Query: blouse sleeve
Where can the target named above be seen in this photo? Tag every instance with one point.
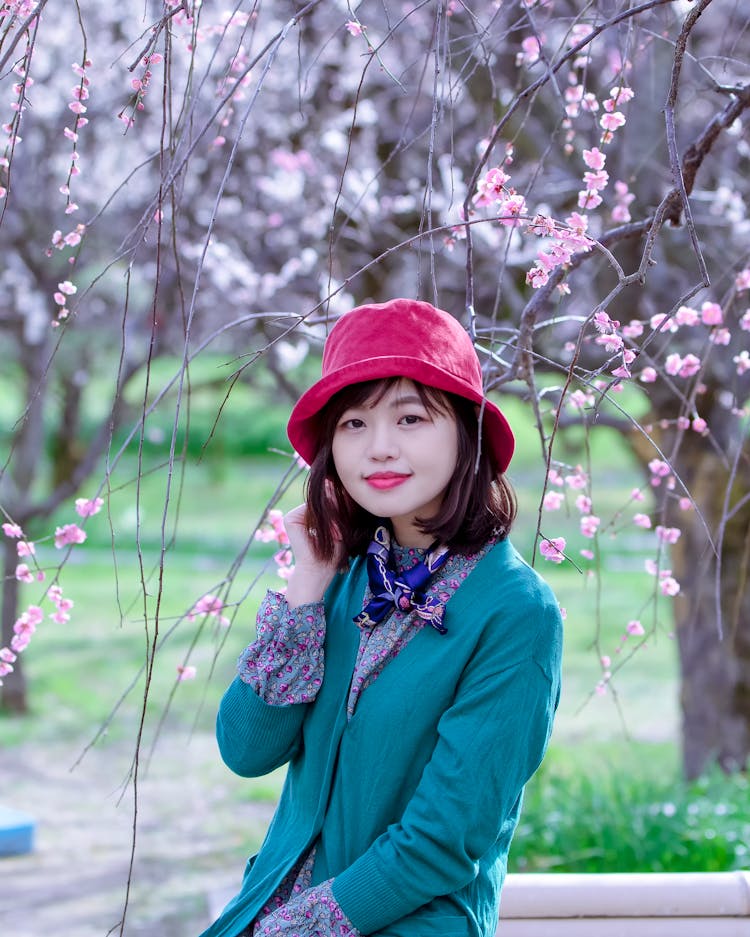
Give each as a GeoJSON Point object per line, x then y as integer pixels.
{"type": "Point", "coordinates": [497, 730]}
{"type": "Point", "coordinates": [284, 665]}
{"type": "Point", "coordinates": [309, 914]}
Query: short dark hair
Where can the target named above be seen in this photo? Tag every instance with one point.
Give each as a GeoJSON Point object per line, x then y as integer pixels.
{"type": "Point", "coordinates": [478, 500]}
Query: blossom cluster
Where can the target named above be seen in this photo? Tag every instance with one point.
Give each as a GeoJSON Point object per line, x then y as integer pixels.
{"type": "Point", "coordinates": [139, 88]}
{"type": "Point", "coordinates": [568, 485]}
{"type": "Point", "coordinates": [11, 128]}
{"type": "Point", "coordinates": [274, 532]}
{"type": "Point", "coordinates": [26, 624]}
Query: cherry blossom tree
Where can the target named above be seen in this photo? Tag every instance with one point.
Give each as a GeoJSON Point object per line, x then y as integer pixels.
{"type": "Point", "coordinates": [570, 180]}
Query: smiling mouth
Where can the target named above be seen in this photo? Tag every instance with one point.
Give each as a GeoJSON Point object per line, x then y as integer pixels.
{"type": "Point", "coordinates": [384, 480]}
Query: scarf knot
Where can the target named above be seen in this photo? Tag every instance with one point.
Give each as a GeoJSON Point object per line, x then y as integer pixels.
{"type": "Point", "coordinates": [403, 589]}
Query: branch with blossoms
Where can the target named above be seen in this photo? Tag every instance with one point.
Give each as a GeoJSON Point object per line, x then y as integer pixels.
{"type": "Point", "coordinates": [67, 535]}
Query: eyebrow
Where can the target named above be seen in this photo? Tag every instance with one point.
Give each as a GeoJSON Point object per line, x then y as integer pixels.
{"type": "Point", "coordinates": [409, 399]}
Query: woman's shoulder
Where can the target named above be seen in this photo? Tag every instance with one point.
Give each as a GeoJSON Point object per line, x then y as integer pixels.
{"type": "Point", "coordinates": [509, 573]}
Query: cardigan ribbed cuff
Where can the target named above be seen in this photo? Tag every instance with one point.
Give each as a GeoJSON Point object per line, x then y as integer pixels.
{"type": "Point", "coordinates": [367, 898]}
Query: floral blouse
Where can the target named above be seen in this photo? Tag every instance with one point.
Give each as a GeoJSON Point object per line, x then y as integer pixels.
{"type": "Point", "coordinates": [284, 665]}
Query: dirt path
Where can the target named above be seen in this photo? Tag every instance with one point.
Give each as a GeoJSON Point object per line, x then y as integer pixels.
{"type": "Point", "coordinates": [194, 831]}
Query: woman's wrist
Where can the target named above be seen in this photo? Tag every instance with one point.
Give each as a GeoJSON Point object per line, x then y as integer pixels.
{"type": "Point", "coordinates": [307, 585]}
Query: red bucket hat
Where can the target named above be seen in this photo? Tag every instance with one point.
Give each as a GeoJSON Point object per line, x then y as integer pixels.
{"type": "Point", "coordinates": [400, 338]}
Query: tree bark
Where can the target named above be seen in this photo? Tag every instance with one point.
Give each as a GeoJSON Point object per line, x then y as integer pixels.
{"type": "Point", "coordinates": [714, 648]}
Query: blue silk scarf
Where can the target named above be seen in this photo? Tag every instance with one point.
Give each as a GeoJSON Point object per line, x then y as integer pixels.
{"type": "Point", "coordinates": [402, 589]}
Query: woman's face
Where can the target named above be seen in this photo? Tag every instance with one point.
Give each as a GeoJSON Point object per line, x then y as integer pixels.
{"type": "Point", "coordinates": [395, 458]}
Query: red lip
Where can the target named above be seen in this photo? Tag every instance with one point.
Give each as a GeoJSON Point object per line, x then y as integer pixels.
{"type": "Point", "coordinates": [384, 480]}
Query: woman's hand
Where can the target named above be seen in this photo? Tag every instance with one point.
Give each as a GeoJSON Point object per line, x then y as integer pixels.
{"type": "Point", "coordinates": [311, 576]}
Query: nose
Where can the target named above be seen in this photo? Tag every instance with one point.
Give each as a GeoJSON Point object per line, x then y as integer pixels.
{"type": "Point", "coordinates": [382, 444]}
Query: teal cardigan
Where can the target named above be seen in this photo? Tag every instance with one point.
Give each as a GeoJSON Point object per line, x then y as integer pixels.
{"type": "Point", "coordinates": [414, 800]}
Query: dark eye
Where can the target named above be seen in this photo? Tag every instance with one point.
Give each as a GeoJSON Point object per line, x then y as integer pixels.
{"type": "Point", "coordinates": [353, 423]}
{"type": "Point", "coordinates": [411, 418]}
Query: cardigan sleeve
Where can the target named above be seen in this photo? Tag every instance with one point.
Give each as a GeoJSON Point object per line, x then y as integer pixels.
{"type": "Point", "coordinates": [260, 715]}
{"type": "Point", "coordinates": [490, 741]}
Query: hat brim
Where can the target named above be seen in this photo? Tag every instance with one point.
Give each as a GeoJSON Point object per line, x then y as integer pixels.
{"type": "Point", "coordinates": [303, 428]}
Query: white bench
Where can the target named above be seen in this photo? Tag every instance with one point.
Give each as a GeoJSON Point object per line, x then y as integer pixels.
{"type": "Point", "coordinates": [694, 904]}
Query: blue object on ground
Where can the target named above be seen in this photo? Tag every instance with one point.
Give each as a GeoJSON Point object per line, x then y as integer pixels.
{"type": "Point", "coordinates": [16, 832]}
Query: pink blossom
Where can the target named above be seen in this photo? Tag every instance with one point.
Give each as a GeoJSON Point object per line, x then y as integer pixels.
{"type": "Point", "coordinates": [577, 223]}
{"type": "Point", "coordinates": [578, 479]}
{"type": "Point", "coordinates": [691, 364]}
{"type": "Point", "coordinates": [685, 504]}
{"type": "Point", "coordinates": [537, 277]}
{"type": "Point", "coordinates": [673, 364]}
{"type": "Point", "coordinates": [648, 375]}
{"type": "Point", "coordinates": [553, 500]}
{"type": "Point", "coordinates": [67, 287]}
{"type": "Point", "coordinates": [20, 642]}
{"type": "Point", "coordinates": [602, 321]}
{"type": "Point", "coordinates": [23, 573]}
{"type": "Point", "coordinates": [589, 103]}
{"type": "Point", "coordinates": [596, 181]}
{"type": "Point", "coordinates": [583, 503]}
{"type": "Point", "coordinates": [662, 322]}
{"type": "Point", "coordinates": [552, 550]}
{"type": "Point", "coordinates": [742, 280]}
{"type": "Point", "coordinates": [25, 548]}
{"type": "Point", "coordinates": [635, 627]}
{"type": "Point", "coordinates": [555, 478]}
{"type": "Point", "coordinates": [87, 507]}
{"type": "Point", "coordinates": [354, 28]}
{"type": "Point", "coordinates": [60, 617]}
{"type": "Point", "coordinates": [686, 315]}
{"type": "Point", "coordinates": [711, 314]}
{"type": "Point", "coordinates": [587, 554]}
{"type": "Point", "coordinates": [581, 399]}
{"type": "Point", "coordinates": [745, 321]}
{"type": "Point", "coordinates": [12, 530]}
{"type": "Point", "coordinates": [206, 605]}
{"type": "Point", "coordinates": [636, 495]}
{"type": "Point", "coordinates": [7, 655]}
{"type": "Point", "coordinates": [612, 121]}
{"type": "Point", "coordinates": [642, 520]}
{"type": "Point", "coordinates": [622, 94]}
{"type": "Point", "coordinates": [68, 534]}
{"type": "Point", "coordinates": [589, 199]}
{"type": "Point", "coordinates": [669, 586]}
{"type": "Point", "coordinates": [659, 468]}
{"type": "Point", "coordinates": [186, 672]}
{"type": "Point", "coordinates": [77, 107]}
{"type": "Point", "coordinates": [620, 213]}
{"type": "Point", "coordinates": [594, 158]}
{"type": "Point", "coordinates": [531, 51]}
{"type": "Point", "coordinates": [668, 534]}
{"type": "Point", "coordinates": [513, 206]}
{"type": "Point", "coordinates": [606, 661]}
{"type": "Point", "coordinates": [720, 337]}
{"type": "Point", "coordinates": [589, 525]}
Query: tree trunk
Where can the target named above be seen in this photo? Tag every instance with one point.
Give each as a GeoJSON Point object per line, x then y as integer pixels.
{"type": "Point", "coordinates": [13, 691]}
{"type": "Point", "coordinates": [714, 649]}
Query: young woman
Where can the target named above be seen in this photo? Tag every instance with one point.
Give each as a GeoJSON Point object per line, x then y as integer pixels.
{"type": "Point", "coordinates": [410, 675]}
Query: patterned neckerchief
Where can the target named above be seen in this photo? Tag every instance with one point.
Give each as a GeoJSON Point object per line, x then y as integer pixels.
{"type": "Point", "coordinates": [403, 589]}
